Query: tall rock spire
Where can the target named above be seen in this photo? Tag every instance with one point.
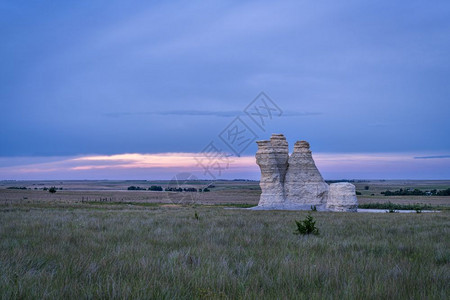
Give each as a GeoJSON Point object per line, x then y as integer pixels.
{"type": "Point", "coordinates": [272, 157]}
{"type": "Point", "coordinates": [304, 184]}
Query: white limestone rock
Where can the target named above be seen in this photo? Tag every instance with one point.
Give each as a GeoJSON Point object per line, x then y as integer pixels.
{"type": "Point", "coordinates": [295, 183]}
{"type": "Point", "coordinates": [342, 197]}
{"type": "Point", "coordinates": [272, 157]}
{"type": "Point", "coordinates": [304, 185]}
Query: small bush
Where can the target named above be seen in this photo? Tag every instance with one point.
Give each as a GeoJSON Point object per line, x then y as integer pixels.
{"type": "Point", "coordinates": [52, 190]}
{"type": "Point", "coordinates": [307, 226]}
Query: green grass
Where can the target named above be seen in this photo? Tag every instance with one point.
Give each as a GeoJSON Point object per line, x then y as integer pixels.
{"type": "Point", "coordinates": [150, 204]}
{"type": "Point", "coordinates": [238, 205]}
{"type": "Point", "coordinates": [162, 252]}
{"type": "Point", "coordinates": [395, 206]}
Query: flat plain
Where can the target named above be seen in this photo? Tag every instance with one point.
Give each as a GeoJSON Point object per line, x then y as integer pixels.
{"type": "Point", "coordinates": [96, 239]}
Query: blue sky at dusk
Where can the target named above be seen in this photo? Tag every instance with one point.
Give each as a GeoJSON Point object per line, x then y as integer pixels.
{"type": "Point", "coordinates": [124, 90]}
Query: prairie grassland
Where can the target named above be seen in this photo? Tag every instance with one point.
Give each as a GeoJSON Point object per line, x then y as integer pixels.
{"type": "Point", "coordinates": [75, 251]}
{"type": "Point", "coordinates": [221, 196]}
{"type": "Point", "coordinates": [224, 192]}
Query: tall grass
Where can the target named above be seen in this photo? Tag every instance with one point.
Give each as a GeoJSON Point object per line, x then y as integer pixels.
{"type": "Point", "coordinates": [159, 253]}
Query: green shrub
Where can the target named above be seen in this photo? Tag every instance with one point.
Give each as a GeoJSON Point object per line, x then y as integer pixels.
{"type": "Point", "coordinates": [307, 226]}
{"type": "Point", "coordinates": [52, 190]}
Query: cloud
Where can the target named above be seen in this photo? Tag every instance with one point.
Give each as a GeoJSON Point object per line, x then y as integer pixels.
{"type": "Point", "coordinates": [197, 113]}
{"type": "Point", "coordinates": [194, 113]}
{"type": "Point", "coordinates": [152, 76]}
{"type": "Point", "coordinates": [432, 157]}
{"type": "Point", "coordinates": [127, 166]}
{"type": "Point", "coordinates": [167, 165]}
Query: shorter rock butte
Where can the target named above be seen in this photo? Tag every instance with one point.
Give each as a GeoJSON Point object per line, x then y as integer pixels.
{"type": "Point", "coordinates": [342, 197]}
{"type": "Point", "coordinates": [294, 182]}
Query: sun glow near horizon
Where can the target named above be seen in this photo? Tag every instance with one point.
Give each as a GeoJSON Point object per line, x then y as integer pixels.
{"type": "Point", "coordinates": [166, 165]}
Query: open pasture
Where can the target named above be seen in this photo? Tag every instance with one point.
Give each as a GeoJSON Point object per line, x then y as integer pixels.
{"type": "Point", "coordinates": [142, 245]}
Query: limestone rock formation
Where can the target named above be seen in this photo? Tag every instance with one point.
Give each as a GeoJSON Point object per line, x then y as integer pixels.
{"type": "Point", "coordinates": [342, 197]}
{"type": "Point", "coordinates": [294, 182]}
{"type": "Point", "coordinates": [304, 184]}
{"type": "Point", "coordinates": [272, 157]}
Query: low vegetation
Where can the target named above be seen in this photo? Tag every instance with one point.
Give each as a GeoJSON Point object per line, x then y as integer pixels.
{"type": "Point", "coordinates": [417, 192]}
{"type": "Point", "coordinates": [96, 240]}
{"type": "Point", "coordinates": [307, 226]}
{"type": "Point", "coordinates": [159, 188]}
{"type": "Point", "coordinates": [136, 188]}
{"type": "Point", "coordinates": [393, 206]}
{"type": "Point", "coordinates": [69, 251]}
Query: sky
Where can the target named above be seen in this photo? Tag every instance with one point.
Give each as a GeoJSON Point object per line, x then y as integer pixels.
{"type": "Point", "coordinates": [138, 90]}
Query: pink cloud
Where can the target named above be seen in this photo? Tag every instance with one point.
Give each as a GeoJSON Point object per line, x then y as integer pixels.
{"type": "Point", "coordinates": [166, 165]}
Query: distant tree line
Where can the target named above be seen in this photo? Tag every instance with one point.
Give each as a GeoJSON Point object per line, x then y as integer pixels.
{"type": "Point", "coordinates": [171, 189]}
{"type": "Point", "coordinates": [347, 180]}
{"type": "Point", "coordinates": [417, 192]}
{"type": "Point", "coordinates": [167, 189]}
{"type": "Point", "coordinates": [155, 188]}
{"type": "Point", "coordinates": [52, 189]}
{"type": "Point", "coordinates": [136, 188]}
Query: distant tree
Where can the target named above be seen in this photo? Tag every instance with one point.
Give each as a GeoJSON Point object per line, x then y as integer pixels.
{"type": "Point", "coordinates": [444, 192]}
{"type": "Point", "coordinates": [135, 188]}
{"type": "Point", "coordinates": [52, 190]}
{"type": "Point", "coordinates": [155, 188]}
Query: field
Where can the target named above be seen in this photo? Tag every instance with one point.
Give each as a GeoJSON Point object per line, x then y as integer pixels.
{"type": "Point", "coordinates": [98, 240]}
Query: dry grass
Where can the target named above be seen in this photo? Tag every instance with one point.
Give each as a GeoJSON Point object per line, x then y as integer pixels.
{"type": "Point", "coordinates": [57, 246]}
{"type": "Point", "coordinates": [161, 252]}
{"type": "Point", "coordinates": [236, 192]}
